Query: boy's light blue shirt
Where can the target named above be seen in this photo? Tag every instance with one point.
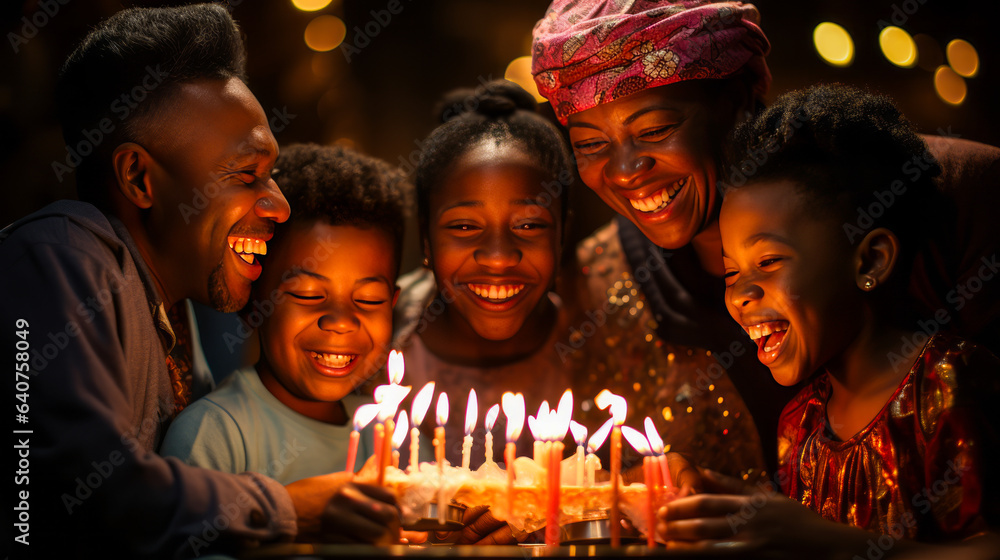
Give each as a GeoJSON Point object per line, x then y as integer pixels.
{"type": "Point", "coordinates": [242, 427]}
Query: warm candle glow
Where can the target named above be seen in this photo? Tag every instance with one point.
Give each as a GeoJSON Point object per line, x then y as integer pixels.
{"type": "Point", "coordinates": [579, 432]}
{"type": "Point", "coordinates": [442, 409]}
{"type": "Point", "coordinates": [563, 416]}
{"type": "Point", "coordinates": [617, 404]}
{"type": "Point", "coordinates": [395, 367]}
{"type": "Point", "coordinates": [491, 417]}
{"type": "Point", "coordinates": [513, 409]}
{"type": "Point", "coordinates": [597, 440]}
{"type": "Point", "coordinates": [364, 415]}
{"type": "Point", "coordinates": [389, 397]}
{"type": "Point", "coordinates": [421, 403]}
{"type": "Point", "coordinates": [399, 434]}
{"type": "Point", "coordinates": [535, 428]}
{"type": "Point", "coordinates": [636, 439]}
{"type": "Point", "coordinates": [655, 441]}
{"type": "Point", "coordinates": [471, 413]}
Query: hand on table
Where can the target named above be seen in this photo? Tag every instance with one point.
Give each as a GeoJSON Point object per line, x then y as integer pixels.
{"type": "Point", "coordinates": [332, 508]}
{"type": "Point", "coordinates": [751, 516]}
{"type": "Point", "coordinates": [482, 528]}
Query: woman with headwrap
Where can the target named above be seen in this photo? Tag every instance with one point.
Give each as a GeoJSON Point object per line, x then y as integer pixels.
{"type": "Point", "coordinates": [649, 92]}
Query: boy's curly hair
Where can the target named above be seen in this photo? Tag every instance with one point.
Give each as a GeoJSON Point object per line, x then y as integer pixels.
{"type": "Point", "coordinates": [340, 186]}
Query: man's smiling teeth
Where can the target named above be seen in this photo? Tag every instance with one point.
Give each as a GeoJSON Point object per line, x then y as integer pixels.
{"type": "Point", "coordinates": [761, 330]}
{"type": "Point", "coordinates": [247, 247]}
{"type": "Point", "coordinates": [660, 199]}
{"type": "Point", "coordinates": [333, 360]}
{"type": "Point", "coordinates": [496, 292]}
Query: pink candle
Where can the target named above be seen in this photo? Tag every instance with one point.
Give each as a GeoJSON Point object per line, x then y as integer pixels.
{"type": "Point", "coordinates": [352, 450]}
{"type": "Point", "coordinates": [649, 476]}
{"type": "Point", "coordinates": [657, 448]}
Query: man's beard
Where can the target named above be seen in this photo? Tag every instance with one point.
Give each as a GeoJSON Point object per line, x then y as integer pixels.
{"type": "Point", "coordinates": [219, 295]}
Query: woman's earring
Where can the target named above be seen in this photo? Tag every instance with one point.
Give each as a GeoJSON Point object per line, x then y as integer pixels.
{"type": "Point", "coordinates": [427, 262]}
{"type": "Point", "coordinates": [869, 284]}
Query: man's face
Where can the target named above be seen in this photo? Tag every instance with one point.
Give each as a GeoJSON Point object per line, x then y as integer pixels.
{"type": "Point", "coordinates": [214, 202]}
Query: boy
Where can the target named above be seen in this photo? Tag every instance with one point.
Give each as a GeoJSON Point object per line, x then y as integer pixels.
{"type": "Point", "coordinates": [329, 289]}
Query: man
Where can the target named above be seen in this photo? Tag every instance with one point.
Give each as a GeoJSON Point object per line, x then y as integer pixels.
{"type": "Point", "coordinates": [173, 159]}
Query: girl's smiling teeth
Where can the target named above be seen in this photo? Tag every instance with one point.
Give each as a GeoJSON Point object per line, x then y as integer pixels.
{"type": "Point", "coordinates": [247, 247]}
{"type": "Point", "coordinates": [496, 293]}
{"type": "Point", "coordinates": [660, 199]}
{"type": "Point", "coordinates": [336, 361]}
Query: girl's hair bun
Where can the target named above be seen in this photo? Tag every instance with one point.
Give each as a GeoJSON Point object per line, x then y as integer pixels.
{"type": "Point", "coordinates": [492, 100]}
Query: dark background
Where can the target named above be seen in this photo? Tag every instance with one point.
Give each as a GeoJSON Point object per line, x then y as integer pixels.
{"type": "Point", "coordinates": [381, 101]}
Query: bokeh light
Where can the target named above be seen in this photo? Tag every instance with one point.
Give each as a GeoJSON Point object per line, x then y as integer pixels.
{"type": "Point", "coordinates": [929, 55]}
{"type": "Point", "coordinates": [949, 85]}
{"type": "Point", "coordinates": [963, 58]}
{"type": "Point", "coordinates": [898, 47]}
{"type": "Point", "coordinates": [834, 44]}
{"type": "Point", "coordinates": [519, 72]}
{"type": "Point", "coordinates": [325, 33]}
{"type": "Point", "coordinates": [310, 5]}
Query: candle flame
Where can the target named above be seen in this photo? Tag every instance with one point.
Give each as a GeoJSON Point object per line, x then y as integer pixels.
{"type": "Point", "coordinates": [637, 440]}
{"type": "Point", "coordinates": [388, 397]}
{"type": "Point", "coordinates": [597, 440]}
{"type": "Point", "coordinates": [421, 403]}
{"type": "Point", "coordinates": [491, 417]}
{"type": "Point", "coordinates": [563, 416]}
{"type": "Point", "coordinates": [618, 405]}
{"type": "Point", "coordinates": [442, 409]}
{"type": "Point", "coordinates": [395, 367]}
{"type": "Point", "coordinates": [513, 409]}
{"type": "Point", "coordinates": [655, 441]}
{"type": "Point", "coordinates": [364, 415]}
{"type": "Point", "coordinates": [535, 428]}
{"type": "Point", "coordinates": [579, 432]}
{"type": "Point", "coordinates": [471, 412]}
{"type": "Point", "coordinates": [401, 430]}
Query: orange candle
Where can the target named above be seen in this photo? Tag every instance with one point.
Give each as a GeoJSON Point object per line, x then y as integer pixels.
{"type": "Point", "coordinates": [616, 469]}
{"type": "Point", "coordinates": [552, 525]}
{"type": "Point", "coordinates": [385, 454]}
{"type": "Point", "coordinates": [378, 444]}
{"type": "Point", "coordinates": [649, 477]}
{"type": "Point", "coordinates": [439, 457]}
{"type": "Point", "coordinates": [352, 450]}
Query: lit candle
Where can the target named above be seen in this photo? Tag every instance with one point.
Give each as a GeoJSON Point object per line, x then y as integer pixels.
{"type": "Point", "coordinates": [388, 397]}
{"type": "Point", "coordinates": [420, 405]}
{"type": "Point", "coordinates": [641, 444]}
{"type": "Point", "coordinates": [491, 418]}
{"type": "Point", "coordinates": [398, 435]}
{"type": "Point", "coordinates": [656, 445]}
{"type": "Point", "coordinates": [442, 419]}
{"type": "Point", "coordinates": [595, 443]}
{"type": "Point", "coordinates": [618, 408]}
{"type": "Point", "coordinates": [471, 415]}
{"type": "Point", "coordinates": [513, 409]}
{"type": "Point", "coordinates": [580, 436]}
{"type": "Point", "coordinates": [362, 417]}
{"type": "Point", "coordinates": [558, 425]}
{"type": "Point", "coordinates": [535, 426]}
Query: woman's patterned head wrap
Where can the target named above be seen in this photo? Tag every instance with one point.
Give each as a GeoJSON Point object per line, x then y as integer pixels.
{"type": "Point", "coordinates": [588, 52]}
